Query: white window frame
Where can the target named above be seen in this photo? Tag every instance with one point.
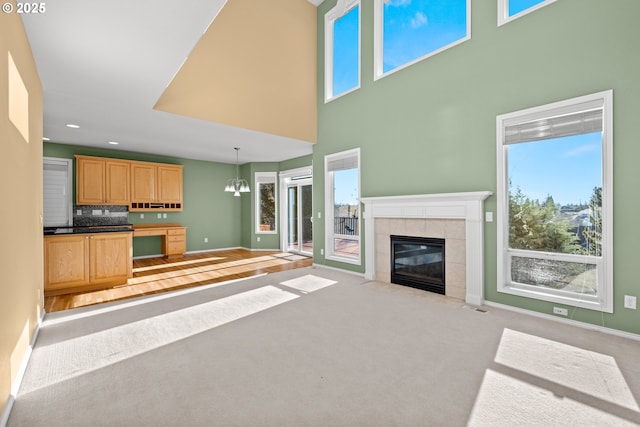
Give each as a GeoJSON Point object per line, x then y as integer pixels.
{"type": "Point", "coordinates": [67, 190]}
{"type": "Point", "coordinates": [329, 205]}
{"type": "Point", "coordinates": [378, 42]}
{"type": "Point", "coordinates": [604, 263]}
{"type": "Point", "coordinates": [503, 11]}
{"type": "Point", "coordinates": [342, 8]}
{"type": "Point", "coordinates": [266, 178]}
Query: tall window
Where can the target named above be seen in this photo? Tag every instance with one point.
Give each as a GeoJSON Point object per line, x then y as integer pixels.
{"type": "Point", "coordinates": [342, 206]}
{"type": "Point", "coordinates": [508, 10]}
{"type": "Point", "coordinates": [555, 194]}
{"type": "Point", "coordinates": [407, 31]}
{"type": "Point", "coordinates": [265, 202]}
{"type": "Point", "coordinates": [342, 48]}
{"type": "Point", "coordinates": [57, 189]}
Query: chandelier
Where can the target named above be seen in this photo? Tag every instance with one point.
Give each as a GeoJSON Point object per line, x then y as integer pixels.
{"type": "Point", "coordinates": [237, 185]}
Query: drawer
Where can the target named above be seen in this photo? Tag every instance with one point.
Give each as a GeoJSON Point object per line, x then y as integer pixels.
{"type": "Point", "coordinates": [142, 233]}
{"type": "Point", "coordinates": [176, 247]}
{"type": "Point", "coordinates": [172, 239]}
{"type": "Point", "coordinates": [176, 232]}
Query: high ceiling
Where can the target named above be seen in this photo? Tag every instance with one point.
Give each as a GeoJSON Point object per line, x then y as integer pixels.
{"type": "Point", "coordinates": [110, 67]}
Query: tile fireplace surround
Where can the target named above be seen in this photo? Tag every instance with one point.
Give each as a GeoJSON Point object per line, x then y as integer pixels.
{"type": "Point", "coordinates": [456, 217]}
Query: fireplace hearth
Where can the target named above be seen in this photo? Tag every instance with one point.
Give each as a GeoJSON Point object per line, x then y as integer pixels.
{"type": "Point", "coordinates": [418, 262]}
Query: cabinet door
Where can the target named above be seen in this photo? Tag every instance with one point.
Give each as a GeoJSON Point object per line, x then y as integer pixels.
{"type": "Point", "coordinates": [143, 182]}
{"type": "Point", "coordinates": [66, 262]}
{"type": "Point", "coordinates": [110, 257]}
{"type": "Point", "coordinates": [90, 177]}
{"type": "Point", "coordinates": [117, 182]}
{"type": "Point", "coordinates": [170, 184]}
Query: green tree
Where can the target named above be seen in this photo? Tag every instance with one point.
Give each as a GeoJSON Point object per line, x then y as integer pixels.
{"type": "Point", "coordinates": [539, 226]}
{"type": "Point", "coordinates": [592, 234]}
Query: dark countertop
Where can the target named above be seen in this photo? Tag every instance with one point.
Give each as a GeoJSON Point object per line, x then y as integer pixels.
{"type": "Point", "coordinates": [56, 231]}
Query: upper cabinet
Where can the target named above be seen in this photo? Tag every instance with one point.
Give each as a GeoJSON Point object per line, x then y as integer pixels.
{"type": "Point", "coordinates": [102, 181]}
{"type": "Point", "coordinates": [144, 186]}
{"type": "Point", "coordinates": [155, 186]}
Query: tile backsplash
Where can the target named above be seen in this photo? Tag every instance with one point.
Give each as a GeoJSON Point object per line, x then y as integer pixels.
{"type": "Point", "coordinates": [87, 215]}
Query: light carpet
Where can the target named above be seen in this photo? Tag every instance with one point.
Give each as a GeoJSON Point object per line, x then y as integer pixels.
{"type": "Point", "coordinates": [318, 347]}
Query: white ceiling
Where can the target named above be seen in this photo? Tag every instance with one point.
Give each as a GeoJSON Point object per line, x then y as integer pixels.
{"type": "Point", "coordinates": [104, 64]}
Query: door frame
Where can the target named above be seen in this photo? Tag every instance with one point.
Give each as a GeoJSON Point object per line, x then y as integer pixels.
{"type": "Point", "coordinates": [292, 177]}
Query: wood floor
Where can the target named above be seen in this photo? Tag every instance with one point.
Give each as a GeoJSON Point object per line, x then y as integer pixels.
{"type": "Point", "coordinates": [155, 275]}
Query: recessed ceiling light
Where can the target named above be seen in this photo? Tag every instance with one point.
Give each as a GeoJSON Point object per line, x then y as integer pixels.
{"type": "Point", "coordinates": [114, 142]}
{"type": "Point", "coordinates": [44, 138]}
{"type": "Point", "coordinates": [72, 126]}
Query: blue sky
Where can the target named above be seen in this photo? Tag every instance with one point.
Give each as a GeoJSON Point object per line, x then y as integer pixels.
{"type": "Point", "coordinates": [517, 6]}
{"type": "Point", "coordinates": [566, 168]}
{"type": "Point", "coordinates": [346, 186]}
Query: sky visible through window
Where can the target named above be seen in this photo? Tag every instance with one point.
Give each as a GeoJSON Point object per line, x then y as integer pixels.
{"type": "Point", "coordinates": [415, 28]}
{"type": "Point", "coordinates": [517, 6]}
{"type": "Point", "coordinates": [567, 168]}
{"type": "Point", "coordinates": [346, 52]}
{"type": "Point", "coordinates": [346, 187]}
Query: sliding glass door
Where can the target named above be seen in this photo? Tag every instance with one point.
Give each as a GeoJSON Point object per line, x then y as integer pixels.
{"type": "Point", "coordinates": [299, 217]}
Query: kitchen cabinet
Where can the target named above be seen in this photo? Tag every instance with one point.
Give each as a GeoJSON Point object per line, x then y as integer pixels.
{"type": "Point", "coordinates": [101, 181]}
{"type": "Point", "coordinates": [156, 186]}
{"type": "Point", "coordinates": [83, 262]}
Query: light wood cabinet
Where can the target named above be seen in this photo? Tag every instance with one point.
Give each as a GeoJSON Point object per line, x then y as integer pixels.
{"type": "Point", "coordinates": [175, 242]}
{"type": "Point", "coordinates": [155, 186]}
{"type": "Point", "coordinates": [101, 181]}
{"type": "Point", "coordinates": [86, 261]}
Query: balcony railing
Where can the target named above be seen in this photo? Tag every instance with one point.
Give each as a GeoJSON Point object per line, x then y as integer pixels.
{"type": "Point", "coordinates": [347, 226]}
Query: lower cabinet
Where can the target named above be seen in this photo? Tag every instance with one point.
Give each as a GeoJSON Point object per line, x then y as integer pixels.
{"type": "Point", "coordinates": [175, 243]}
{"type": "Point", "coordinates": [86, 261]}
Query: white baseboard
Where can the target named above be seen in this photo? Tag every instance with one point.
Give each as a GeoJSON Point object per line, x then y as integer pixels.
{"type": "Point", "coordinates": [572, 322]}
{"type": "Point", "coordinates": [15, 386]}
{"type": "Point", "coordinates": [355, 273]}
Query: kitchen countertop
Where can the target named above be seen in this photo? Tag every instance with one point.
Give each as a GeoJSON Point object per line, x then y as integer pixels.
{"type": "Point", "coordinates": [57, 231]}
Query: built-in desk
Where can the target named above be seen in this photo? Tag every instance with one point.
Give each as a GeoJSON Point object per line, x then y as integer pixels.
{"type": "Point", "coordinates": [172, 235]}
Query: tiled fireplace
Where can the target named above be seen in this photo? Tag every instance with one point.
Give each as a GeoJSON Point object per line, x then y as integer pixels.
{"type": "Point", "coordinates": [455, 217]}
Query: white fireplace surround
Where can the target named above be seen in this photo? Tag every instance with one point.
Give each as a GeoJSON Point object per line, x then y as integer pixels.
{"type": "Point", "coordinates": [467, 206]}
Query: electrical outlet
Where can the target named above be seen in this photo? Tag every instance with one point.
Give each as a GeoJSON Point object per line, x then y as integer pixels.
{"type": "Point", "coordinates": [206, 240]}
{"type": "Point", "coordinates": [79, 212]}
{"type": "Point", "coordinates": [159, 215]}
{"type": "Point", "coordinates": [630, 302]}
{"type": "Point", "coordinates": [488, 216]}
{"type": "Point", "coordinates": [321, 251]}
{"type": "Point", "coordinates": [258, 239]}
{"type": "Point", "coordinates": [560, 311]}
{"type": "Point", "coordinates": [164, 215]}
{"type": "Point", "coordinates": [141, 216]}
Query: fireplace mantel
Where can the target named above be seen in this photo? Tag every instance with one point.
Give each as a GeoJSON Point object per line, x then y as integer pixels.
{"type": "Point", "coordinates": [468, 206]}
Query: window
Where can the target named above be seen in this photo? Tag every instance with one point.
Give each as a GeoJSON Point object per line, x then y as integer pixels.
{"type": "Point", "coordinates": [266, 202]}
{"type": "Point", "coordinates": [342, 206]}
{"type": "Point", "coordinates": [555, 222]}
{"type": "Point", "coordinates": [342, 49]}
{"type": "Point", "coordinates": [57, 190]}
{"type": "Point", "coordinates": [508, 10]}
{"type": "Point", "coordinates": [408, 31]}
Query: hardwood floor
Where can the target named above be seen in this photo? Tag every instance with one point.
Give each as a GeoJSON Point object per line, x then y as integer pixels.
{"type": "Point", "coordinates": [155, 275]}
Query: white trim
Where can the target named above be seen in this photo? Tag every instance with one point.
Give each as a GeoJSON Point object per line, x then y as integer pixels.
{"type": "Point", "coordinates": [378, 42]}
{"type": "Point", "coordinates": [287, 179]}
{"type": "Point", "coordinates": [583, 325]}
{"type": "Point", "coordinates": [503, 11]}
{"type": "Point", "coordinates": [341, 270]}
{"type": "Point", "coordinates": [265, 178]}
{"type": "Point", "coordinates": [328, 208]}
{"type": "Point", "coordinates": [605, 264]}
{"type": "Point", "coordinates": [468, 206]}
{"type": "Point", "coordinates": [17, 381]}
{"type": "Point", "coordinates": [329, 20]}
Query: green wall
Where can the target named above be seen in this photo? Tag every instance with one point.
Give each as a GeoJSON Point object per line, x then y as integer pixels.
{"type": "Point", "coordinates": [208, 210]}
{"type": "Point", "coordinates": [430, 128]}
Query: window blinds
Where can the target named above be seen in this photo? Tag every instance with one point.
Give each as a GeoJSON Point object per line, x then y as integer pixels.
{"type": "Point", "coordinates": [342, 163]}
{"type": "Point", "coordinates": [564, 124]}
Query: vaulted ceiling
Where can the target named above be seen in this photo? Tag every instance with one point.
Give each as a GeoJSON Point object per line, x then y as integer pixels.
{"type": "Point", "coordinates": [187, 79]}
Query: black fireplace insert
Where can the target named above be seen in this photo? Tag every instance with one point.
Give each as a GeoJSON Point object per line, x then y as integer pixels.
{"type": "Point", "coordinates": [418, 262]}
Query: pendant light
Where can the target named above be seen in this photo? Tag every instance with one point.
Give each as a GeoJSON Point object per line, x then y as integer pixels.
{"type": "Point", "coordinates": [237, 185]}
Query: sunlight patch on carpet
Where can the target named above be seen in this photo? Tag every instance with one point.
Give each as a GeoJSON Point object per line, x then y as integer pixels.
{"type": "Point", "coordinates": [70, 358]}
{"type": "Point", "coordinates": [308, 283]}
